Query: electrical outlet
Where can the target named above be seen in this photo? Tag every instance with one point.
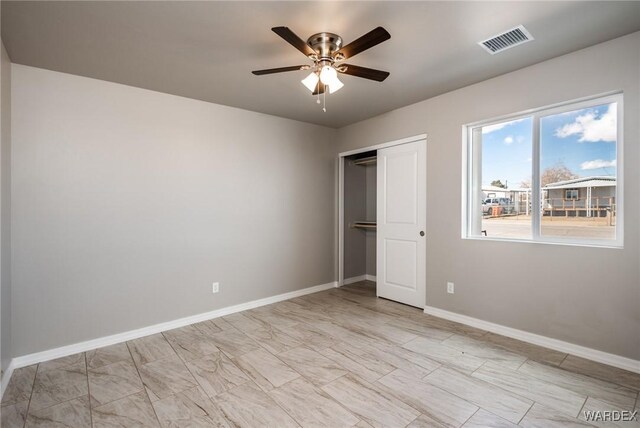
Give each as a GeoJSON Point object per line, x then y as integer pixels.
{"type": "Point", "coordinates": [450, 287]}
{"type": "Point", "coordinates": [215, 287]}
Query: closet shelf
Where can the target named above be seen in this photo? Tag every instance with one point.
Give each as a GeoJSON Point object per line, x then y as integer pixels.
{"type": "Point", "coordinates": [366, 161]}
{"type": "Point", "coordinates": [370, 225]}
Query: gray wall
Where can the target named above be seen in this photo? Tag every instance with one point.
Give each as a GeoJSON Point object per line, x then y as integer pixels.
{"type": "Point", "coordinates": [129, 203]}
{"type": "Point", "coordinates": [587, 296]}
{"type": "Point", "coordinates": [359, 204]}
{"type": "Point", "coordinates": [5, 209]}
{"type": "Point", "coordinates": [372, 194]}
{"type": "Point", "coordinates": [355, 209]}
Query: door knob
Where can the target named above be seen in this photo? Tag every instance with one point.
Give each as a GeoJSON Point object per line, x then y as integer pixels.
{"type": "Point", "coordinates": [422, 233]}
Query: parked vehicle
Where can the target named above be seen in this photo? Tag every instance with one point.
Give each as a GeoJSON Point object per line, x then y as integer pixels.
{"type": "Point", "coordinates": [505, 203]}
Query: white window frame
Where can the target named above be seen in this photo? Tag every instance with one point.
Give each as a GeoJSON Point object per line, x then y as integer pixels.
{"type": "Point", "coordinates": [577, 193]}
{"type": "Point", "coordinates": [536, 114]}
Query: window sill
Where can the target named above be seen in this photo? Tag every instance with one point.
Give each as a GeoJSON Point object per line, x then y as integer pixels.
{"type": "Point", "coordinates": [573, 243]}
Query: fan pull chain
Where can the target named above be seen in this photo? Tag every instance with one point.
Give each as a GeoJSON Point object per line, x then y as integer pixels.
{"type": "Point", "coordinates": [324, 100]}
{"type": "Point", "coordinates": [318, 92]}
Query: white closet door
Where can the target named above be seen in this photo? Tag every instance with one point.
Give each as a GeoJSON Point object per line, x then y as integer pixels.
{"type": "Point", "coordinates": [401, 220]}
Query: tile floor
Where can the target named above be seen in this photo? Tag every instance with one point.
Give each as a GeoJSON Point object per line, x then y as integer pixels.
{"type": "Point", "coordinates": [337, 358]}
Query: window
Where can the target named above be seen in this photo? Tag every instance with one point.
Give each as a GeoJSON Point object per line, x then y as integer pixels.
{"type": "Point", "coordinates": [551, 175]}
{"type": "Point", "coordinates": [572, 194]}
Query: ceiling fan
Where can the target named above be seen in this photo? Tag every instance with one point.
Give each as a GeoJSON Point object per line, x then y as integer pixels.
{"type": "Point", "coordinates": [326, 52]}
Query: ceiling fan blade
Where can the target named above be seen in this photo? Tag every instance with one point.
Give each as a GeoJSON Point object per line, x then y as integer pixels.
{"type": "Point", "coordinates": [364, 72]}
{"type": "Point", "coordinates": [320, 88]}
{"type": "Point", "coordinates": [369, 40]}
{"type": "Point", "coordinates": [294, 40]}
{"type": "Point", "coordinates": [279, 70]}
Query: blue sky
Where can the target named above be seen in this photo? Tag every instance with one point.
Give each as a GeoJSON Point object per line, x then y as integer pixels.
{"type": "Point", "coordinates": [583, 140]}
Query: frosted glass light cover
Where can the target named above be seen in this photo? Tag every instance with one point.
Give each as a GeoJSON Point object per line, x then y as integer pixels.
{"type": "Point", "coordinates": [311, 81]}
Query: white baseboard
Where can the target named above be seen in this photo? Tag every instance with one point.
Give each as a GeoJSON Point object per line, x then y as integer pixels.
{"type": "Point", "coordinates": [536, 339]}
{"type": "Point", "coordinates": [354, 279]}
{"type": "Point", "coordinates": [358, 278]}
{"type": "Point", "coordinates": [63, 351]}
{"type": "Point", "coordinates": [6, 376]}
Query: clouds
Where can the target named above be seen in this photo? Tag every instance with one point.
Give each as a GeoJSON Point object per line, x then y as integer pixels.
{"type": "Point", "coordinates": [590, 128]}
{"type": "Point", "coordinates": [597, 163]}
{"type": "Point", "coordinates": [508, 140]}
{"type": "Point", "coordinates": [496, 127]}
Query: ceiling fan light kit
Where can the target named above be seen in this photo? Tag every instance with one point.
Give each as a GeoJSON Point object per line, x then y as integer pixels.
{"type": "Point", "coordinates": [326, 51]}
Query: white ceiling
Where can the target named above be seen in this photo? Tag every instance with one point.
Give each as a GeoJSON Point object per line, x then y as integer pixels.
{"type": "Point", "coordinates": [206, 50]}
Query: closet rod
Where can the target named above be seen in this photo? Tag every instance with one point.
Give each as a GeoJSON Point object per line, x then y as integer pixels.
{"type": "Point", "coordinates": [366, 161]}
{"type": "Point", "coordinates": [363, 225]}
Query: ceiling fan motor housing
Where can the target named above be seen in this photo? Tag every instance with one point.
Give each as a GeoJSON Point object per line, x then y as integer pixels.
{"type": "Point", "coordinates": [325, 44]}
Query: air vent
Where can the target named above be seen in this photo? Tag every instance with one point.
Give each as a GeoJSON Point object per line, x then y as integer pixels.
{"type": "Point", "coordinates": [506, 40]}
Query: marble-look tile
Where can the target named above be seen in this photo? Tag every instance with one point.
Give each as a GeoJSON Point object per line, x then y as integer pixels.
{"type": "Point", "coordinates": [273, 340]}
{"type": "Point", "coordinates": [213, 326]}
{"type": "Point", "coordinates": [453, 326]}
{"type": "Point", "coordinates": [302, 312]}
{"type": "Point", "coordinates": [369, 403]}
{"type": "Point", "coordinates": [530, 387]}
{"type": "Point", "coordinates": [20, 385]}
{"type": "Point", "coordinates": [216, 373]}
{"type": "Point", "coordinates": [614, 394]}
{"type": "Point", "coordinates": [311, 336]}
{"type": "Point", "coordinates": [108, 355]}
{"type": "Point", "coordinates": [484, 419]}
{"type": "Point", "coordinates": [366, 366]}
{"type": "Point", "coordinates": [437, 405]}
{"type": "Point", "coordinates": [541, 416]}
{"type": "Point", "coordinates": [234, 343]}
{"type": "Point", "coordinates": [275, 315]}
{"type": "Point", "coordinates": [436, 351]}
{"type": "Point", "coordinates": [248, 406]}
{"type": "Point", "coordinates": [71, 360]}
{"type": "Point", "coordinates": [14, 415]}
{"type": "Point", "coordinates": [498, 401]}
{"type": "Point", "coordinates": [485, 350]}
{"type": "Point", "coordinates": [424, 421]}
{"type": "Point", "coordinates": [242, 322]}
{"type": "Point", "coordinates": [190, 343]}
{"type": "Point", "coordinates": [310, 406]}
{"type": "Point", "coordinates": [150, 348]}
{"type": "Point", "coordinates": [602, 371]}
{"type": "Point", "coordinates": [380, 332]}
{"type": "Point", "coordinates": [593, 405]}
{"type": "Point", "coordinates": [164, 377]}
{"type": "Point", "coordinates": [533, 352]}
{"type": "Point", "coordinates": [312, 365]}
{"type": "Point", "coordinates": [190, 408]}
{"type": "Point", "coordinates": [320, 336]}
{"type": "Point", "coordinates": [70, 414]}
{"type": "Point", "coordinates": [358, 314]}
{"type": "Point", "coordinates": [395, 310]}
{"type": "Point", "coordinates": [54, 386]}
{"type": "Point", "coordinates": [265, 369]}
{"type": "Point", "coordinates": [132, 411]}
{"type": "Point", "coordinates": [112, 382]}
{"type": "Point", "coordinates": [343, 334]}
{"type": "Point", "coordinates": [409, 361]}
{"type": "Point", "coordinates": [420, 329]}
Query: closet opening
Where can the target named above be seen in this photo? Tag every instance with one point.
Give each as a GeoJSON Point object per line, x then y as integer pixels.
{"type": "Point", "coordinates": [360, 176]}
{"type": "Point", "coordinates": [382, 206]}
